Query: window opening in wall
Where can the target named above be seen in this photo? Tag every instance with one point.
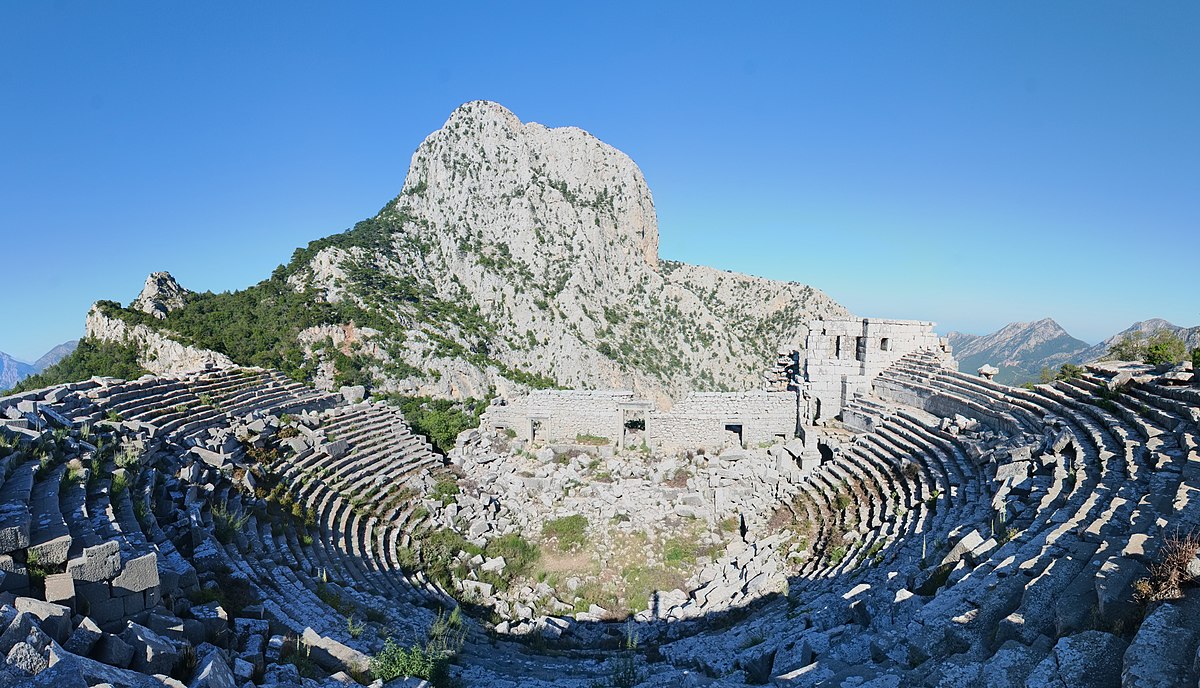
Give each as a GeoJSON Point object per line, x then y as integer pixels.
{"type": "Point", "coordinates": [860, 348]}
{"type": "Point", "coordinates": [885, 344]}
{"type": "Point", "coordinates": [634, 431]}
{"type": "Point", "coordinates": [837, 347]}
{"type": "Point", "coordinates": [534, 427]}
{"type": "Point", "coordinates": [734, 433]}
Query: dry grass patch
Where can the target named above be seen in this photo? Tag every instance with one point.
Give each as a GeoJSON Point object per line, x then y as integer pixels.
{"type": "Point", "coordinates": [1170, 573]}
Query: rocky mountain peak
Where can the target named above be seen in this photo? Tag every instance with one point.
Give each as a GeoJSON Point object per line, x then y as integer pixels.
{"type": "Point", "coordinates": [516, 255]}
{"type": "Point", "coordinates": [485, 176]}
{"type": "Point", "coordinates": [161, 295]}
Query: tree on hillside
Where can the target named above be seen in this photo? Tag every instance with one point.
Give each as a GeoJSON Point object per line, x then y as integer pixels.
{"type": "Point", "coordinates": [1165, 346]}
{"type": "Point", "coordinates": [1131, 347]}
{"type": "Point", "coordinates": [92, 357]}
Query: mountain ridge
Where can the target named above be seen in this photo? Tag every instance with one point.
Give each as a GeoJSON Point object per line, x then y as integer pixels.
{"type": "Point", "coordinates": [13, 371]}
{"type": "Point", "coordinates": [1022, 349]}
{"type": "Point", "coordinates": [515, 255]}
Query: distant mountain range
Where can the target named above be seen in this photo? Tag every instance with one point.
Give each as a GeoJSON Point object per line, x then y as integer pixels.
{"type": "Point", "coordinates": [13, 371]}
{"type": "Point", "coordinates": [1021, 350]}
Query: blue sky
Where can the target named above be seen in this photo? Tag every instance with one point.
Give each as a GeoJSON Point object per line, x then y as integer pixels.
{"type": "Point", "coordinates": [968, 163]}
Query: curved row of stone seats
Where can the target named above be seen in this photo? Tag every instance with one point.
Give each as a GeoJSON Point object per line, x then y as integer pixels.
{"type": "Point", "coordinates": [306, 596]}
{"type": "Point", "coordinates": [1099, 561]}
{"type": "Point", "coordinates": [377, 458]}
{"type": "Point", "coordinates": [917, 483]}
{"type": "Point", "coordinates": [252, 391]}
{"type": "Point", "coordinates": [115, 520]}
{"type": "Point", "coordinates": [1088, 490]}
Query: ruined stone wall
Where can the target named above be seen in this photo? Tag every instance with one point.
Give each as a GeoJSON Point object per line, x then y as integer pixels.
{"type": "Point", "coordinates": [843, 356]}
{"type": "Point", "coordinates": [701, 420]}
{"type": "Point", "coordinates": [562, 415]}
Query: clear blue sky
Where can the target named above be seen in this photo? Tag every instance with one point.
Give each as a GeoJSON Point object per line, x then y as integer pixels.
{"type": "Point", "coordinates": [969, 163]}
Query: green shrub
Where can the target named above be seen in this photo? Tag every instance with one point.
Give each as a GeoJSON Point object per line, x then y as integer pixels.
{"type": "Point", "coordinates": [436, 549]}
{"type": "Point", "coordinates": [394, 662]}
{"type": "Point", "coordinates": [430, 661]}
{"type": "Point", "coordinates": [837, 554]}
{"type": "Point", "coordinates": [441, 420]}
{"type": "Point", "coordinates": [1165, 347]}
{"type": "Point", "coordinates": [445, 489]}
{"type": "Point", "coordinates": [591, 440]}
{"type": "Point", "coordinates": [227, 524]}
{"type": "Point", "coordinates": [1131, 347]}
{"type": "Point", "coordinates": [569, 531]}
{"type": "Point", "coordinates": [678, 551]}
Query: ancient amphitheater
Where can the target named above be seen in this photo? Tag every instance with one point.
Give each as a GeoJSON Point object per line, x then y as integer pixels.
{"type": "Point", "coordinates": [897, 523]}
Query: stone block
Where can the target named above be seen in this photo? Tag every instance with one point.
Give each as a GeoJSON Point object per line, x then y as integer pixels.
{"type": "Point", "coordinates": [477, 588]}
{"type": "Point", "coordinates": [60, 589]}
{"type": "Point", "coordinates": [84, 638]}
{"type": "Point", "coordinates": [54, 619]}
{"type": "Point", "coordinates": [246, 630]}
{"type": "Point", "coordinates": [26, 659]}
{"type": "Point", "coordinates": [113, 651]}
{"type": "Point", "coordinates": [136, 576]}
{"type": "Point", "coordinates": [99, 563]}
{"type": "Point", "coordinates": [214, 618]}
{"type": "Point", "coordinates": [17, 627]}
{"type": "Point", "coordinates": [14, 527]}
{"type": "Point", "coordinates": [167, 626]}
{"type": "Point", "coordinates": [243, 671]}
{"type": "Point", "coordinates": [213, 670]}
{"type": "Point", "coordinates": [152, 654]}
{"type": "Point", "coordinates": [133, 603]}
{"type": "Point", "coordinates": [107, 610]}
{"type": "Point", "coordinates": [332, 655]}
{"type": "Point", "coordinates": [65, 672]}
{"type": "Point", "coordinates": [967, 544]}
{"type": "Point", "coordinates": [337, 449]}
{"type": "Point", "coordinates": [353, 393]}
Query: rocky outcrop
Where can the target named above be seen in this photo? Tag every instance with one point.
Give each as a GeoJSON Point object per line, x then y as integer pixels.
{"type": "Point", "coordinates": [157, 352]}
{"type": "Point", "coordinates": [161, 295]}
{"type": "Point", "coordinates": [549, 238]}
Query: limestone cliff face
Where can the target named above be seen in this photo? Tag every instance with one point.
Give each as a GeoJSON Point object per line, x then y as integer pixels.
{"type": "Point", "coordinates": [158, 353]}
{"type": "Point", "coordinates": [549, 237]}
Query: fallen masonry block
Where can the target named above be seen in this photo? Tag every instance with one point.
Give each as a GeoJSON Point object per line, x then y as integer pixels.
{"type": "Point", "coordinates": [53, 619]}
{"type": "Point", "coordinates": [137, 575]}
{"type": "Point", "coordinates": [152, 654]}
{"type": "Point", "coordinates": [99, 563]}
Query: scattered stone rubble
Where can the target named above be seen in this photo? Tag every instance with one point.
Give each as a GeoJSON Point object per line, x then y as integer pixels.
{"type": "Point", "coordinates": [229, 527]}
{"type": "Point", "coordinates": [516, 491]}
